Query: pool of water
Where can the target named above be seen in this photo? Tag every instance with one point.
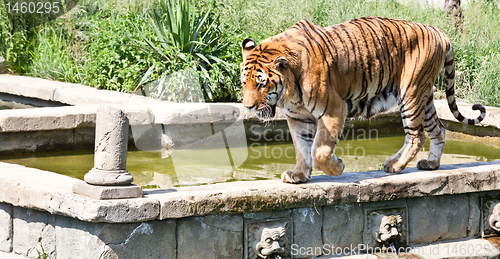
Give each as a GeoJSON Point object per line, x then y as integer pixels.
{"type": "Point", "coordinates": [260, 161]}
{"type": "Point", "coordinates": [6, 105]}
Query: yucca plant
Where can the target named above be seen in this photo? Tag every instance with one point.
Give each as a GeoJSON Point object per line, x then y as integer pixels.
{"type": "Point", "coordinates": [182, 36]}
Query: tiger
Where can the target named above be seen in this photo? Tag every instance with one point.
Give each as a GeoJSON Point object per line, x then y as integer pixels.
{"type": "Point", "coordinates": [319, 76]}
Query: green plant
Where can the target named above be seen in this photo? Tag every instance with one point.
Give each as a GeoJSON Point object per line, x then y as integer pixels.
{"type": "Point", "coordinates": [184, 38]}
{"type": "Point", "coordinates": [15, 45]}
{"type": "Point", "coordinates": [111, 62]}
{"type": "Point", "coordinates": [41, 252]}
{"type": "Point", "coordinates": [51, 60]}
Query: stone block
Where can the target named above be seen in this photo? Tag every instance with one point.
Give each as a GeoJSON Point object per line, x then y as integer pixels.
{"type": "Point", "coordinates": [33, 230]}
{"type": "Point", "coordinates": [107, 192]}
{"type": "Point", "coordinates": [213, 236]}
{"type": "Point", "coordinates": [28, 86]}
{"type": "Point", "coordinates": [436, 218]}
{"type": "Point", "coordinates": [267, 215]}
{"type": "Point", "coordinates": [6, 212]}
{"type": "Point", "coordinates": [152, 239]}
{"type": "Point", "coordinates": [474, 225]}
{"type": "Point", "coordinates": [79, 239]}
{"type": "Point", "coordinates": [343, 225]}
{"type": "Point", "coordinates": [307, 224]}
{"type": "Point", "coordinates": [12, 256]}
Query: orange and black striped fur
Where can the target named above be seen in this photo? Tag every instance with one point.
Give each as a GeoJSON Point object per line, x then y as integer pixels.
{"type": "Point", "coordinates": [321, 75]}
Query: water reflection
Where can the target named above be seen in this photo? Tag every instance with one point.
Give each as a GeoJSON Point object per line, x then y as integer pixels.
{"type": "Point", "coordinates": [264, 161]}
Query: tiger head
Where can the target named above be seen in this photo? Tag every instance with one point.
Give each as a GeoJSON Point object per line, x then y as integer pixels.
{"type": "Point", "coordinates": [263, 73]}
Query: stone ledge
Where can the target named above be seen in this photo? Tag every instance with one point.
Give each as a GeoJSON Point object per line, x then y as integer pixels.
{"type": "Point", "coordinates": [492, 118]}
{"type": "Point", "coordinates": [141, 110]}
{"type": "Point", "coordinates": [68, 93]}
{"type": "Point", "coordinates": [322, 190]}
{"type": "Point", "coordinates": [41, 190]}
{"type": "Point", "coordinates": [71, 117]}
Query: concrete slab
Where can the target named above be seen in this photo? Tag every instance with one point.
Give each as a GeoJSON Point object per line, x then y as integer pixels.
{"type": "Point", "coordinates": [351, 187]}
{"type": "Point", "coordinates": [71, 94]}
{"type": "Point", "coordinates": [107, 192]}
{"type": "Point", "coordinates": [46, 191]}
{"type": "Point", "coordinates": [12, 256]}
{"type": "Point", "coordinates": [492, 114]}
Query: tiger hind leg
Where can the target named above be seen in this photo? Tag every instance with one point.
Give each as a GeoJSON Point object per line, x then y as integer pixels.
{"type": "Point", "coordinates": [436, 132]}
{"type": "Point", "coordinates": [414, 138]}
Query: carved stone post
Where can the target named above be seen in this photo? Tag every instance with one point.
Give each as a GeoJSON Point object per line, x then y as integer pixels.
{"type": "Point", "coordinates": [109, 179]}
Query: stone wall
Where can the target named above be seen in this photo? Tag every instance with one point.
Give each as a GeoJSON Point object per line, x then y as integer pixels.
{"type": "Point", "coordinates": [231, 220]}
{"type": "Point", "coordinates": [323, 228]}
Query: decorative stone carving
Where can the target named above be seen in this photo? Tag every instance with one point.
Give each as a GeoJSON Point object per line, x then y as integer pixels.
{"type": "Point", "coordinates": [268, 238]}
{"type": "Point", "coordinates": [389, 229]}
{"type": "Point", "coordinates": [386, 227]}
{"type": "Point", "coordinates": [490, 223]}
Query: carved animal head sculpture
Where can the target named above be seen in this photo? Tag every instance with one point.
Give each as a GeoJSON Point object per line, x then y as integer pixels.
{"type": "Point", "coordinates": [388, 230]}
{"type": "Point", "coordinates": [494, 218]}
{"type": "Point", "coordinates": [271, 242]}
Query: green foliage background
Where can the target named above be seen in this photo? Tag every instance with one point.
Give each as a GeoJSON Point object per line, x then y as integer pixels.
{"type": "Point", "coordinates": [91, 44]}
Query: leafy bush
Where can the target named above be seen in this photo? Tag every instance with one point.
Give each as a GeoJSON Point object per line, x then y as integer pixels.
{"type": "Point", "coordinates": [50, 58]}
{"type": "Point", "coordinates": [111, 62]}
{"type": "Point", "coordinates": [91, 44]}
{"type": "Point", "coordinates": [186, 39]}
{"type": "Point", "coordinates": [15, 46]}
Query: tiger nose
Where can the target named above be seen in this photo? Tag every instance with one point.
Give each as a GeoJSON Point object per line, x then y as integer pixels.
{"type": "Point", "coordinates": [250, 106]}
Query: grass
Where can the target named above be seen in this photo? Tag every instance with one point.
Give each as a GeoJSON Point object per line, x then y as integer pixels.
{"type": "Point", "coordinates": [90, 45]}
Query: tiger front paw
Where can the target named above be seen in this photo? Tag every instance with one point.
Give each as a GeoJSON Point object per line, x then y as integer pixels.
{"type": "Point", "coordinates": [294, 177]}
{"type": "Point", "coordinates": [333, 166]}
{"type": "Point", "coordinates": [393, 166]}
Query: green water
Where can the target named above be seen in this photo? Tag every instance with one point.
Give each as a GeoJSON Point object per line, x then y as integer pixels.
{"type": "Point", "coordinates": [259, 161]}
{"type": "Point", "coordinates": [7, 105]}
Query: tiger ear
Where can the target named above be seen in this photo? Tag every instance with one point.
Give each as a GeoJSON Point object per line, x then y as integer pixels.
{"type": "Point", "coordinates": [281, 63]}
{"type": "Point", "coordinates": [247, 45]}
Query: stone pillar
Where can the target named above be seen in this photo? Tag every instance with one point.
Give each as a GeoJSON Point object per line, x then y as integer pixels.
{"type": "Point", "coordinates": [109, 178]}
